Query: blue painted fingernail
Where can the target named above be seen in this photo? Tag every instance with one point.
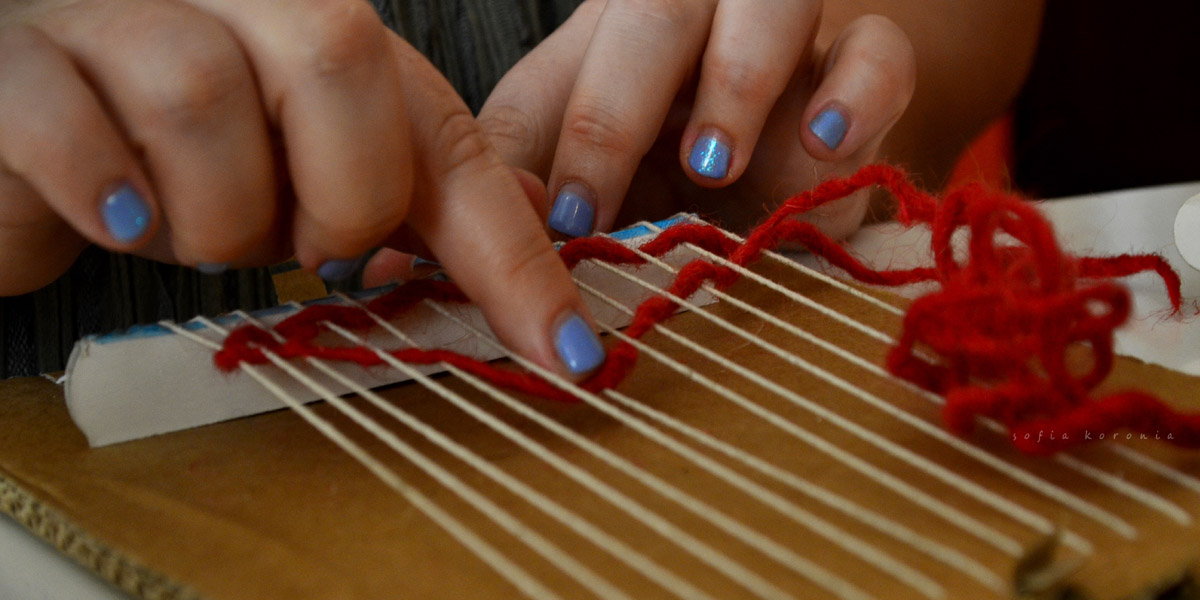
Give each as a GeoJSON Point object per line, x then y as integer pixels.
{"type": "Point", "coordinates": [417, 261]}
{"type": "Point", "coordinates": [572, 214]}
{"type": "Point", "coordinates": [830, 126]}
{"type": "Point", "coordinates": [212, 268]}
{"type": "Point", "coordinates": [710, 157]}
{"type": "Point", "coordinates": [578, 346]}
{"type": "Point", "coordinates": [337, 270]}
{"type": "Point", "coordinates": [126, 214]}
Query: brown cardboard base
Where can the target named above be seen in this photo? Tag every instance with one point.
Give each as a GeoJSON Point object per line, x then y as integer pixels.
{"type": "Point", "coordinates": [265, 507]}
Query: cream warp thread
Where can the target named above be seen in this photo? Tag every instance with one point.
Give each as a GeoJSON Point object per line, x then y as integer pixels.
{"type": "Point", "coordinates": [494, 558]}
{"type": "Point", "coordinates": [964, 485]}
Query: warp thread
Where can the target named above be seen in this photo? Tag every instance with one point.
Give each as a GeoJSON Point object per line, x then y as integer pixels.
{"type": "Point", "coordinates": [1003, 321]}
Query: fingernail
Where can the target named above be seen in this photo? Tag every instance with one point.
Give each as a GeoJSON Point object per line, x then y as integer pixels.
{"type": "Point", "coordinates": [212, 268]}
{"type": "Point", "coordinates": [573, 213]}
{"type": "Point", "coordinates": [126, 215]}
{"type": "Point", "coordinates": [830, 126]}
{"type": "Point", "coordinates": [710, 157]}
{"type": "Point", "coordinates": [337, 270]}
{"type": "Point", "coordinates": [578, 346]}
{"type": "Point", "coordinates": [417, 261]}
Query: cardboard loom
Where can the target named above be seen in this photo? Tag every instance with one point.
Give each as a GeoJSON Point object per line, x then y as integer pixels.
{"type": "Point", "coordinates": [265, 507]}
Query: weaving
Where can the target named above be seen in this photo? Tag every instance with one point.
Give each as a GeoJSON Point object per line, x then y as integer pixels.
{"type": "Point", "coordinates": [757, 445]}
{"type": "Point", "coordinates": [1002, 323]}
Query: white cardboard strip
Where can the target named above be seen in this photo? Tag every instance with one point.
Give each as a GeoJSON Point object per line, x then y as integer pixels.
{"type": "Point", "coordinates": [109, 377]}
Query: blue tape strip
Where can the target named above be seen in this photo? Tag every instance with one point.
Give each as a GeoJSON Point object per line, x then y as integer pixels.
{"type": "Point", "coordinates": [154, 330]}
{"type": "Point", "coordinates": [148, 331]}
{"type": "Point", "coordinates": [642, 230]}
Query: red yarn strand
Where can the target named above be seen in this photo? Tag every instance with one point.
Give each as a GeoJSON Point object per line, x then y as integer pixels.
{"type": "Point", "coordinates": [1002, 321]}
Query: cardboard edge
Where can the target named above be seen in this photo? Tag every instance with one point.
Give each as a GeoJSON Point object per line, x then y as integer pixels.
{"type": "Point", "coordinates": [69, 539]}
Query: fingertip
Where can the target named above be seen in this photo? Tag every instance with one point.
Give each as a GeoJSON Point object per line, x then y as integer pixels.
{"type": "Point", "coordinates": [829, 126]}
{"type": "Point", "coordinates": [392, 266]}
{"type": "Point", "coordinates": [577, 345]}
{"type": "Point", "coordinates": [574, 211]}
{"type": "Point", "coordinates": [868, 81]}
{"type": "Point", "coordinates": [338, 269]}
{"type": "Point", "coordinates": [710, 157]}
{"type": "Point", "coordinates": [127, 215]}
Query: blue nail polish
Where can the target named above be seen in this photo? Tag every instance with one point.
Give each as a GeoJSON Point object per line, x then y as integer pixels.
{"type": "Point", "coordinates": [578, 346]}
{"type": "Point", "coordinates": [337, 270]}
{"type": "Point", "coordinates": [126, 215]}
{"type": "Point", "coordinates": [709, 157]}
{"type": "Point", "coordinates": [212, 268]}
{"type": "Point", "coordinates": [417, 261]}
{"type": "Point", "coordinates": [572, 213]}
{"type": "Point", "coordinates": [830, 126]}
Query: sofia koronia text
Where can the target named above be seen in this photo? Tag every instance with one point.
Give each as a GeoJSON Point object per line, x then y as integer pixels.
{"type": "Point", "coordinates": [1088, 436]}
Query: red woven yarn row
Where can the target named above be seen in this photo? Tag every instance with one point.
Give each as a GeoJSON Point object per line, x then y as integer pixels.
{"type": "Point", "coordinates": [1002, 322]}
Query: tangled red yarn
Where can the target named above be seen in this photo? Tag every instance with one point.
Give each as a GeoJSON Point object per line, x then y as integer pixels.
{"type": "Point", "coordinates": [1002, 322]}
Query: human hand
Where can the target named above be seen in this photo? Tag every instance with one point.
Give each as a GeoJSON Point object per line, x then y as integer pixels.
{"type": "Point", "coordinates": [236, 132]}
{"type": "Point", "coordinates": [754, 99]}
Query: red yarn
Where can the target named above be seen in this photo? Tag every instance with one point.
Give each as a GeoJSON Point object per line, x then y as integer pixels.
{"type": "Point", "coordinates": [1001, 323]}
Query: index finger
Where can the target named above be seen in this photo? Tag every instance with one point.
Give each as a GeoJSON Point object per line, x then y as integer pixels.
{"type": "Point", "coordinates": [638, 59]}
{"type": "Point", "coordinates": [472, 213]}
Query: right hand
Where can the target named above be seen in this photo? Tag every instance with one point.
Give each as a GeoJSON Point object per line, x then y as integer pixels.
{"type": "Point", "coordinates": [238, 132]}
{"type": "Point", "coordinates": [709, 106]}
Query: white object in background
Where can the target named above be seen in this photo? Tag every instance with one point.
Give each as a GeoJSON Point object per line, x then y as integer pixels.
{"type": "Point", "coordinates": [1187, 231]}
{"type": "Point", "coordinates": [1134, 221]}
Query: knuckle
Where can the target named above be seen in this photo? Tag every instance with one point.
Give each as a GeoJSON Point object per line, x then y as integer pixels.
{"type": "Point", "coordinates": [600, 128]}
{"type": "Point", "coordinates": [340, 36]}
{"type": "Point", "coordinates": [528, 265]}
{"type": "Point", "coordinates": [745, 82]}
{"type": "Point", "coordinates": [198, 85]}
{"type": "Point", "coordinates": [513, 126]}
{"type": "Point", "coordinates": [459, 143]}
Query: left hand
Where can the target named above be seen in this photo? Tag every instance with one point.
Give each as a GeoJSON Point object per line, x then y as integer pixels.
{"type": "Point", "coordinates": [236, 131]}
